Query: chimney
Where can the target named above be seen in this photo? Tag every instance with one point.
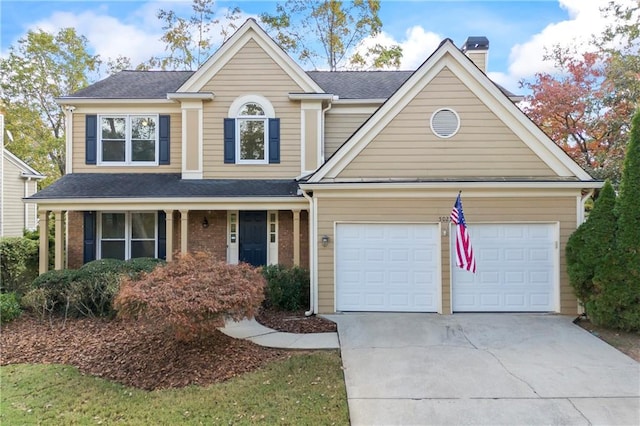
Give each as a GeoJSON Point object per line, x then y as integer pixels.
{"type": "Point", "coordinates": [477, 49]}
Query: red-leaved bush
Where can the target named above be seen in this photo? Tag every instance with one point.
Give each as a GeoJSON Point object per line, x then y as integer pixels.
{"type": "Point", "coordinates": [192, 295]}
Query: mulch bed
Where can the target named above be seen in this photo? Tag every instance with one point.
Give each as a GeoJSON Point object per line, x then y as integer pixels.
{"type": "Point", "coordinates": [294, 322]}
{"type": "Point", "coordinates": [130, 353]}
{"type": "Point", "coordinates": [137, 355]}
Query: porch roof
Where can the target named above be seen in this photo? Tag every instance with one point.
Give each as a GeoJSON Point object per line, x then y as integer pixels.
{"type": "Point", "coordinates": [161, 185]}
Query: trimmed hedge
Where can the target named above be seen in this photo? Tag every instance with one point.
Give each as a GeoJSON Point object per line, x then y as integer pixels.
{"type": "Point", "coordinates": [287, 288]}
{"type": "Point", "coordinates": [88, 291]}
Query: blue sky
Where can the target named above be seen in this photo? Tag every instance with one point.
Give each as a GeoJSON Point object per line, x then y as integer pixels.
{"type": "Point", "coordinates": [518, 31]}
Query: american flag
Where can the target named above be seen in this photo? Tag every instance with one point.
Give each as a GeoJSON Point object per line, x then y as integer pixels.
{"type": "Point", "coordinates": [464, 252]}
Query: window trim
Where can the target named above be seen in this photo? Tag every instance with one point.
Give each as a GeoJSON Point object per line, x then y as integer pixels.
{"type": "Point", "coordinates": [128, 232]}
{"type": "Point", "coordinates": [128, 141]}
{"type": "Point", "coordinates": [234, 112]}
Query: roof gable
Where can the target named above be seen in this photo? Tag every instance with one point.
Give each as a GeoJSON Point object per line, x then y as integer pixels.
{"type": "Point", "coordinates": [448, 56]}
{"type": "Point", "coordinates": [25, 169]}
{"type": "Point", "coordinates": [250, 30]}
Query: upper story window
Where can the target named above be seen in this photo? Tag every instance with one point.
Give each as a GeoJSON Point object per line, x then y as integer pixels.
{"type": "Point", "coordinates": [128, 139]}
{"type": "Point", "coordinates": [251, 133]}
{"type": "Point", "coordinates": [252, 128]}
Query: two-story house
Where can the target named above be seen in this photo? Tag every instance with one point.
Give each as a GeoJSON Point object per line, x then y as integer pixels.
{"type": "Point", "coordinates": [350, 174]}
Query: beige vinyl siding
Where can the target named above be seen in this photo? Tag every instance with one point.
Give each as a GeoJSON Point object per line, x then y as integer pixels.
{"type": "Point", "coordinates": [252, 71]}
{"type": "Point", "coordinates": [429, 210]}
{"type": "Point", "coordinates": [338, 127]}
{"type": "Point", "coordinates": [483, 147]}
{"type": "Point", "coordinates": [12, 206]}
{"type": "Point", "coordinates": [31, 212]}
{"type": "Point", "coordinates": [175, 141]}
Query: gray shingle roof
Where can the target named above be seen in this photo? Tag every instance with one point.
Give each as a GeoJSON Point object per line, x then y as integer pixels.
{"type": "Point", "coordinates": [168, 185]}
{"type": "Point", "coordinates": [360, 84]}
{"type": "Point", "coordinates": [136, 85]}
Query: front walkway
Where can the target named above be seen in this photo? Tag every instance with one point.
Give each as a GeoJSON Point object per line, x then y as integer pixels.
{"type": "Point", "coordinates": [264, 336]}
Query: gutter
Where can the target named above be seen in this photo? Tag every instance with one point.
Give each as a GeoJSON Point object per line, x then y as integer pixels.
{"type": "Point", "coordinates": [312, 255]}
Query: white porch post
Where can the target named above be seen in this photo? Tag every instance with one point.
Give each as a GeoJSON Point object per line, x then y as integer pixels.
{"type": "Point", "coordinates": [169, 234]}
{"type": "Point", "coordinates": [43, 223]}
{"type": "Point", "coordinates": [59, 247]}
{"type": "Point", "coordinates": [296, 237]}
{"type": "Point", "coordinates": [184, 229]}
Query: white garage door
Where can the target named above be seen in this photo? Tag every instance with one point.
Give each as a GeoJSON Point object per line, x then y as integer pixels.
{"type": "Point", "coordinates": [387, 267]}
{"type": "Point", "coordinates": [516, 269]}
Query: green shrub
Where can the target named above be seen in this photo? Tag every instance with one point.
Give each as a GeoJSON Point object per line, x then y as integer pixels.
{"type": "Point", "coordinates": [617, 279]}
{"type": "Point", "coordinates": [591, 243]}
{"type": "Point", "coordinates": [52, 292]}
{"type": "Point", "coordinates": [287, 288]}
{"type": "Point", "coordinates": [18, 264]}
{"type": "Point", "coordinates": [9, 307]}
{"type": "Point", "coordinates": [142, 264]}
{"type": "Point", "coordinates": [192, 295]}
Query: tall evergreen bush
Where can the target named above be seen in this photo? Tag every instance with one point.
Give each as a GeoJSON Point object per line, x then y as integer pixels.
{"type": "Point", "coordinates": [618, 277]}
{"type": "Point", "coordinates": [591, 243]}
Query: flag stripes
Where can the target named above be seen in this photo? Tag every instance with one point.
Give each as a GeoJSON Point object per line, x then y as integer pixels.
{"type": "Point", "coordinates": [464, 252]}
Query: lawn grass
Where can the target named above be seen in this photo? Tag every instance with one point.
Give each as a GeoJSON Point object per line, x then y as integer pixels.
{"type": "Point", "coordinates": [307, 389]}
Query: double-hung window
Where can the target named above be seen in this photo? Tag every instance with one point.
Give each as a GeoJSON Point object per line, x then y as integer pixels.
{"type": "Point", "coordinates": [252, 131]}
{"type": "Point", "coordinates": [127, 235]}
{"type": "Point", "coordinates": [128, 139]}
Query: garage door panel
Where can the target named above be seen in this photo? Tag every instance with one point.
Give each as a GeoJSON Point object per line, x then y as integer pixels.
{"type": "Point", "coordinates": [516, 269]}
{"type": "Point", "coordinates": [397, 265]}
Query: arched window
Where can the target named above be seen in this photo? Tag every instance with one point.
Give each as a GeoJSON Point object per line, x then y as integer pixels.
{"type": "Point", "coordinates": [252, 133]}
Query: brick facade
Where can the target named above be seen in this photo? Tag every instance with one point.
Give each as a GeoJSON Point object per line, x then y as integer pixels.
{"type": "Point", "coordinates": [212, 239]}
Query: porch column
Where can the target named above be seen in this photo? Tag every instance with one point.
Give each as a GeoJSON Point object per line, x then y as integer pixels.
{"type": "Point", "coordinates": [43, 224]}
{"type": "Point", "coordinates": [59, 247]}
{"type": "Point", "coordinates": [184, 229]}
{"type": "Point", "coordinates": [296, 237]}
{"type": "Point", "coordinates": [169, 234]}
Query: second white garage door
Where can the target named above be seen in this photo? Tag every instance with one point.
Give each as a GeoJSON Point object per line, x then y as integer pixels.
{"type": "Point", "coordinates": [516, 269]}
{"type": "Point", "coordinates": [389, 267]}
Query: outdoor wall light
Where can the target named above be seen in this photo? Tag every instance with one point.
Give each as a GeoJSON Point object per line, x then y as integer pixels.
{"type": "Point", "coordinates": [325, 240]}
{"type": "Point", "coordinates": [205, 222]}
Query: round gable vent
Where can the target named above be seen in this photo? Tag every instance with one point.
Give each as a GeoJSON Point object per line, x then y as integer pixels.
{"type": "Point", "coordinates": [445, 123]}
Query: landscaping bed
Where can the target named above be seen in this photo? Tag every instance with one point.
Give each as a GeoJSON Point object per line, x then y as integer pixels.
{"type": "Point", "coordinates": [294, 321]}
{"type": "Point", "coordinates": [625, 341]}
{"type": "Point", "coordinates": [131, 353]}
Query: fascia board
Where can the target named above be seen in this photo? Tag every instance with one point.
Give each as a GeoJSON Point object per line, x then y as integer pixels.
{"type": "Point", "coordinates": [449, 185]}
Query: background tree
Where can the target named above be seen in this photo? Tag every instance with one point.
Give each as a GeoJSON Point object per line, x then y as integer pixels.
{"type": "Point", "coordinates": [591, 243]}
{"type": "Point", "coordinates": [189, 40]}
{"type": "Point", "coordinates": [617, 280]}
{"type": "Point", "coordinates": [587, 104]}
{"type": "Point", "coordinates": [40, 68]}
{"type": "Point", "coordinates": [329, 31]}
{"type": "Point", "coordinates": [575, 108]}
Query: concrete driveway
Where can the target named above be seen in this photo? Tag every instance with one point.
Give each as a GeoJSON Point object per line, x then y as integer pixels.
{"type": "Point", "coordinates": [489, 369]}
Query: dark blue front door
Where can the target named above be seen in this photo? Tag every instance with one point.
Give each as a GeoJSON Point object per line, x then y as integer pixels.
{"type": "Point", "coordinates": [253, 237]}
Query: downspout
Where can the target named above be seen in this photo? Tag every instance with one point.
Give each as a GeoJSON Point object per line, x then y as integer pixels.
{"type": "Point", "coordinates": [312, 255]}
{"type": "Point", "coordinates": [324, 110]}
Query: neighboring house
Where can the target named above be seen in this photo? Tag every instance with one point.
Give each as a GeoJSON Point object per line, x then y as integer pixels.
{"type": "Point", "coordinates": [351, 174]}
{"type": "Point", "coordinates": [17, 181]}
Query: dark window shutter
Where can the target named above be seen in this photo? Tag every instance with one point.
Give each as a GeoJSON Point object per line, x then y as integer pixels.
{"type": "Point", "coordinates": [274, 140]}
{"type": "Point", "coordinates": [229, 140]}
{"type": "Point", "coordinates": [162, 235]}
{"type": "Point", "coordinates": [89, 239]}
{"type": "Point", "coordinates": [163, 142]}
{"type": "Point", "coordinates": [91, 139]}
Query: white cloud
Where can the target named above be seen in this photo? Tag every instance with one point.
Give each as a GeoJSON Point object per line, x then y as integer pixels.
{"type": "Point", "coordinates": [416, 47]}
{"type": "Point", "coordinates": [108, 36]}
{"type": "Point", "coordinates": [527, 59]}
{"type": "Point", "coordinates": [136, 36]}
